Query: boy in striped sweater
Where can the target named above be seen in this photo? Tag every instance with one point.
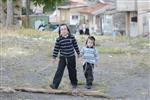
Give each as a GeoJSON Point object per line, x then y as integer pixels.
{"type": "Point", "coordinates": [90, 57]}
{"type": "Point", "coordinates": [66, 46]}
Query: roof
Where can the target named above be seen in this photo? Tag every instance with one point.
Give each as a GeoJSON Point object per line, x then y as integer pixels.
{"type": "Point", "coordinates": [93, 8]}
{"type": "Point", "coordinates": [108, 9]}
{"type": "Point", "coordinates": [79, 1]}
{"type": "Point", "coordinates": [72, 4]}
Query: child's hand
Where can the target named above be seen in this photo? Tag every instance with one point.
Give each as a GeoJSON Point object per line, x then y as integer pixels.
{"type": "Point", "coordinates": [79, 56]}
{"type": "Point", "coordinates": [54, 60]}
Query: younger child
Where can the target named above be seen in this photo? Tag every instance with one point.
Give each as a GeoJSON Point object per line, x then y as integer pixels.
{"type": "Point", "coordinates": [90, 57]}
{"type": "Point", "coordinates": [66, 46]}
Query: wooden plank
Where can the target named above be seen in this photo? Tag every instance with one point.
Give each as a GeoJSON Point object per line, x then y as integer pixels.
{"type": "Point", "coordinates": [55, 91]}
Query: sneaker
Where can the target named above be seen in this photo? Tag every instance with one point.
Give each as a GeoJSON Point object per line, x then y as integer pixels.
{"type": "Point", "coordinates": [74, 91]}
{"type": "Point", "coordinates": [88, 86]}
{"type": "Point", "coordinates": [52, 86]}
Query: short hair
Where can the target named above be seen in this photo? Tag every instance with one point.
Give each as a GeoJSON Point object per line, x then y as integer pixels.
{"type": "Point", "coordinates": [63, 25]}
{"type": "Point", "coordinates": [91, 38]}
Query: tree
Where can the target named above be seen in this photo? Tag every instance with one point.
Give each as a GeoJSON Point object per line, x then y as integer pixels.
{"type": "Point", "coordinates": [2, 13]}
{"type": "Point", "coordinates": [27, 11]}
{"type": "Point", "coordinates": [48, 4]}
{"type": "Point", "coordinates": [9, 20]}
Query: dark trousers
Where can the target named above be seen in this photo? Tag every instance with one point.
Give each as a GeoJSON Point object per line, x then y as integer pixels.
{"type": "Point", "coordinates": [81, 32]}
{"type": "Point", "coordinates": [87, 31]}
{"type": "Point", "coordinates": [88, 73]}
{"type": "Point", "coordinates": [71, 65]}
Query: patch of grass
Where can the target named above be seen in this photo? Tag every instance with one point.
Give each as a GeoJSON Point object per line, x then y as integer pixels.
{"type": "Point", "coordinates": [140, 69]}
{"type": "Point", "coordinates": [113, 50]}
{"type": "Point", "coordinates": [104, 38]}
{"type": "Point", "coordinates": [111, 38]}
{"type": "Point", "coordinates": [36, 34]}
{"type": "Point", "coordinates": [81, 82]}
{"type": "Point", "coordinates": [2, 50]}
{"type": "Point", "coordinates": [139, 42]}
{"type": "Point", "coordinates": [13, 51]}
{"type": "Point", "coordinates": [101, 86]}
{"type": "Point", "coordinates": [29, 33]}
{"type": "Point", "coordinates": [144, 65]}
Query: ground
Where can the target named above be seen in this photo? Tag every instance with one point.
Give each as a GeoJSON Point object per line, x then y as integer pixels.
{"type": "Point", "coordinates": [122, 71]}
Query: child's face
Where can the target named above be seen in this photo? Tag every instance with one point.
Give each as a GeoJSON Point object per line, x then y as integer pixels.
{"type": "Point", "coordinates": [90, 43]}
{"type": "Point", "coordinates": [63, 30]}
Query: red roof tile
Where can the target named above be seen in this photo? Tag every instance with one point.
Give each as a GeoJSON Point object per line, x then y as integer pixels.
{"type": "Point", "coordinates": [93, 8]}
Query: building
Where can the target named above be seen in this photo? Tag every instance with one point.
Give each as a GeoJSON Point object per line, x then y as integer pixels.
{"type": "Point", "coordinates": [92, 16]}
{"type": "Point", "coordinates": [100, 17]}
{"type": "Point", "coordinates": [67, 14]}
{"type": "Point", "coordinates": [137, 16]}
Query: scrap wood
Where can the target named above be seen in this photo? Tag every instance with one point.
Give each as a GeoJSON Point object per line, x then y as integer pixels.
{"type": "Point", "coordinates": [54, 91]}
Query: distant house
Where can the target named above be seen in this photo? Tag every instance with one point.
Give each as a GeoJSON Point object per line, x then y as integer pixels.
{"type": "Point", "coordinates": [99, 17]}
{"type": "Point", "coordinates": [137, 16]}
{"type": "Point", "coordinates": [67, 14]}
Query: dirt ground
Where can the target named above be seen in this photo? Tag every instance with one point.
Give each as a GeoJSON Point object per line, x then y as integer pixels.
{"type": "Point", "coordinates": [27, 62]}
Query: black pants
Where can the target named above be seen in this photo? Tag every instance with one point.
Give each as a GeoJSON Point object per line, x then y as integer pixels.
{"type": "Point", "coordinates": [81, 32]}
{"type": "Point", "coordinates": [87, 31]}
{"type": "Point", "coordinates": [88, 73]}
{"type": "Point", "coordinates": [71, 65]}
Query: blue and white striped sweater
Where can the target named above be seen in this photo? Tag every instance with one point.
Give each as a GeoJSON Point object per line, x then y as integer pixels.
{"type": "Point", "coordinates": [65, 46]}
{"type": "Point", "coordinates": [89, 55]}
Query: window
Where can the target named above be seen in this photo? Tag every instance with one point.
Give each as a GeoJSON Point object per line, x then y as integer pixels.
{"type": "Point", "coordinates": [74, 17]}
{"type": "Point", "coordinates": [134, 19]}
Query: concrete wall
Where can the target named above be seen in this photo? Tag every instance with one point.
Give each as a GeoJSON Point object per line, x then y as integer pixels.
{"type": "Point", "coordinates": [119, 22]}
{"type": "Point", "coordinates": [143, 24]}
{"type": "Point", "coordinates": [143, 16]}
{"type": "Point", "coordinates": [133, 31]}
{"type": "Point", "coordinates": [107, 24]}
{"type": "Point", "coordinates": [143, 5]}
{"type": "Point", "coordinates": [126, 5]}
{"type": "Point", "coordinates": [64, 15]}
{"type": "Point", "coordinates": [74, 12]}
